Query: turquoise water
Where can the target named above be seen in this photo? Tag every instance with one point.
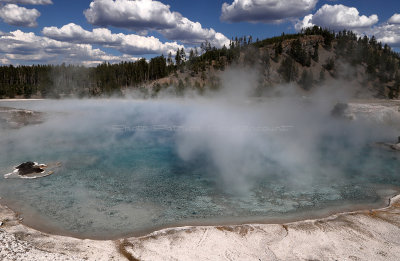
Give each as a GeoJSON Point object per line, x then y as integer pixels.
{"type": "Point", "coordinates": [125, 167]}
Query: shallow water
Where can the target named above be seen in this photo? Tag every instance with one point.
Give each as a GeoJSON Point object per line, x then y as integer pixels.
{"type": "Point", "coordinates": [123, 172]}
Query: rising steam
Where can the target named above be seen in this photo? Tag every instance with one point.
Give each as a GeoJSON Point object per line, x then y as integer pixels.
{"type": "Point", "coordinates": [242, 138]}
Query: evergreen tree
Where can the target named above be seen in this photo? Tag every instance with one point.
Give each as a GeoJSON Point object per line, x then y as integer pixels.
{"type": "Point", "coordinates": [315, 55]}
{"type": "Point", "coordinates": [288, 69]}
{"type": "Point", "coordinates": [380, 62]}
{"type": "Point", "coordinates": [330, 65]}
{"type": "Point", "coordinates": [191, 55]}
{"type": "Point", "coordinates": [183, 56]}
{"type": "Point", "coordinates": [178, 57]}
{"type": "Point", "coordinates": [278, 49]}
{"type": "Point", "coordinates": [299, 54]}
{"type": "Point", "coordinates": [169, 60]}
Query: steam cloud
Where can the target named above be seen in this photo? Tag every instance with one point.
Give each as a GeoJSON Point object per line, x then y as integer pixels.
{"type": "Point", "coordinates": [242, 138]}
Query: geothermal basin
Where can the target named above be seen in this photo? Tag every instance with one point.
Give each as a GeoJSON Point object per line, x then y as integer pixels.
{"type": "Point", "coordinates": [129, 167]}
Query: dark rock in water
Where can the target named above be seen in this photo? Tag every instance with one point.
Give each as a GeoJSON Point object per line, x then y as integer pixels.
{"type": "Point", "coordinates": [29, 168]}
{"type": "Point", "coordinates": [339, 110]}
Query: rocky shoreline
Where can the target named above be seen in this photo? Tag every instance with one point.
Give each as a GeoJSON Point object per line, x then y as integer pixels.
{"type": "Point", "coordinates": [358, 235]}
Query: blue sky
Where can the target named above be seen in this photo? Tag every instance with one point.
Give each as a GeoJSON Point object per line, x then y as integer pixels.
{"type": "Point", "coordinates": [93, 31]}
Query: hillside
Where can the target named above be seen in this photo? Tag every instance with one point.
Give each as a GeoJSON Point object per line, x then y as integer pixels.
{"type": "Point", "coordinates": [309, 59]}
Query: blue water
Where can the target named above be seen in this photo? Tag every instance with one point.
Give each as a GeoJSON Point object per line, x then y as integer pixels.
{"type": "Point", "coordinates": [118, 180]}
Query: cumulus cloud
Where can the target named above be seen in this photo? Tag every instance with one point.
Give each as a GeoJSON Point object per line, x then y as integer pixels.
{"type": "Point", "coordinates": [305, 23]}
{"type": "Point", "coordinates": [128, 44]}
{"type": "Point", "coordinates": [144, 15]}
{"type": "Point", "coordinates": [18, 46]}
{"type": "Point", "coordinates": [192, 32]}
{"type": "Point", "coordinates": [265, 11]}
{"type": "Point", "coordinates": [395, 19]}
{"type": "Point", "coordinates": [342, 17]}
{"type": "Point", "coordinates": [386, 33]}
{"type": "Point", "coordinates": [4, 34]}
{"type": "Point", "coordinates": [29, 2]}
{"type": "Point", "coordinates": [135, 15]}
{"type": "Point", "coordinates": [338, 17]}
{"type": "Point", "coordinates": [19, 16]}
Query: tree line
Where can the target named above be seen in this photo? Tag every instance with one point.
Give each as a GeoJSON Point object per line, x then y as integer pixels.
{"type": "Point", "coordinates": [55, 80]}
{"type": "Point", "coordinates": [289, 50]}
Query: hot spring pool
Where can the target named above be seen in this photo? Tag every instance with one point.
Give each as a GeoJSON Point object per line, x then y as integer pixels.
{"type": "Point", "coordinates": [135, 166]}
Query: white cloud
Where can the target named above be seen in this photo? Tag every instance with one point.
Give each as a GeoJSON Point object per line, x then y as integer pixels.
{"type": "Point", "coordinates": [4, 34]}
{"type": "Point", "coordinates": [135, 15]}
{"type": "Point", "coordinates": [19, 16]}
{"type": "Point", "coordinates": [342, 17]}
{"type": "Point", "coordinates": [339, 17]}
{"type": "Point", "coordinates": [29, 2]}
{"type": "Point", "coordinates": [193, 33]}
{"type": "Point", "coordinates": [18, 46]}
{"type": "Point", "coordinates": [386, 33]}
{"type": "Point", "coordinates": [128, 44]}
{"type": "Point", "coordinates": [395, 19]}
{"type": "Point", "coordinates": [144, 15]}
{"type": "Point", "coordinates": [305, 23]}
{"type": "Point", "coordinates": [4, 61]}
{"type": "Point", "coordinates": [265, 11]}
